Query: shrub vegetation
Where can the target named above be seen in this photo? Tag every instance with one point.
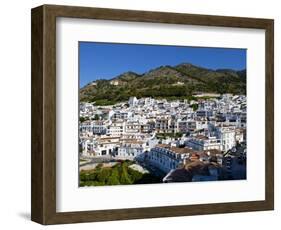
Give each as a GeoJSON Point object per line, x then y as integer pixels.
{"type": "Point", "coordinates": [120, 173]}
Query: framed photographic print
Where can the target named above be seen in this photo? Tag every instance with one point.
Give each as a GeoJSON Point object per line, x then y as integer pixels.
{"type": "Point", "coordinates": [141, 114]}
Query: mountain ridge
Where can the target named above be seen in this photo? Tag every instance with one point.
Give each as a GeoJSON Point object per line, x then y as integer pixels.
{"type": "Point", "coordinates": [179, 81]}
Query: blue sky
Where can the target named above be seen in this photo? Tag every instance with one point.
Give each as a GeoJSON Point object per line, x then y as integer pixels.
{"type": "Point", "coordinates": [107, 60]}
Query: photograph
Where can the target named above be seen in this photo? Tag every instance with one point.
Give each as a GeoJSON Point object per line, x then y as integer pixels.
{"type": "Point", "coordinates": [141, 114]}
{"type": "Point", "coordinates": [161, 114]}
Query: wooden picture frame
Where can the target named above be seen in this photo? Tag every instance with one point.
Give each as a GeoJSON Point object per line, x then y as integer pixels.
{"type": "Point", "coordinates": [43, 208]}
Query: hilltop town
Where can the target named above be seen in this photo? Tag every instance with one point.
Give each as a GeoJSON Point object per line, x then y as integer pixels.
{"type": "Point", "coordinates": [203, 139]}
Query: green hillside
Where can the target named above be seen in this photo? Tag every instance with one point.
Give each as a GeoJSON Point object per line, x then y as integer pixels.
{"type": "Point", "coordinates": [181, 81]}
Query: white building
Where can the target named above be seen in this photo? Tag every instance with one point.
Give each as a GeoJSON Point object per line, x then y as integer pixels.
{"type": "Point", "coordinates": [222, 122]}
{"type": "Point", "coordinates": [182, 126]}
{"type": "Point", "coordinates": [133, 101]}
{"type": "Point", "coordinates": [226, 135]}
{"type": "Point", "coordinates": [201, 142]}
{"type": "Point", "coordinates": [204, 113]}
{"type": "Point", "coordinates": [114, 82]}
{"type": "Point", "coordinates": [86, 127]}
{"type": "Point", "coordinates": [131, 148]}
{"type": "Point", "coordinates": [99, 127]}
{"type": "Point", "coordinates": [132, 127]}
{"type": "Point", "coordinates": [201, 124]}
{"type": "Point", "coordinates": [167, 158]}
{"type": "Point", "coordinates": [163, 124]}
{"type": "Point", "coordinates": [87, 147]}
{"type": "Point", "coordinates": [116, 128]}
{"type": "Point", "coordinates": [106, 146]}
{"type": "Point", "coordinates": [121, 115]}
{"type": "Point", "coordinates": [86, 107]}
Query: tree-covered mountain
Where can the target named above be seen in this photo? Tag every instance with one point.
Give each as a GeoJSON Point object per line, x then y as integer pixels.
{"type": "Point", "coordinates": [180, 81]}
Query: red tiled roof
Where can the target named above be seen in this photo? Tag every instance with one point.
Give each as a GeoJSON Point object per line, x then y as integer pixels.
{"type": "Point", "coordinates": [181, 150]}
{"type": "Point", "coordinates": [163, 146]}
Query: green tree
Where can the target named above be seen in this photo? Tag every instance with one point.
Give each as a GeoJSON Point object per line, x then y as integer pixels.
{"type": "Point", "coordinates": [103, 175]}
{"type": "Point", "coordinates": [194, 107]}
{"type": "Point", "coordinates": [96, 117]}
{"type": "Point", "coordinates": [134, 175]}
{"type": "Point", "coordinates": [124, 176]}
{"type": "Point", "coordinates": [82, 119]}
{"type": "Point", "coordinates": [113, 179]}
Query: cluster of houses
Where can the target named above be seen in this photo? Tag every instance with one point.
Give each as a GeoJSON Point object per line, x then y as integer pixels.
{"type": "Point", "coordinates": [169, 134]}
